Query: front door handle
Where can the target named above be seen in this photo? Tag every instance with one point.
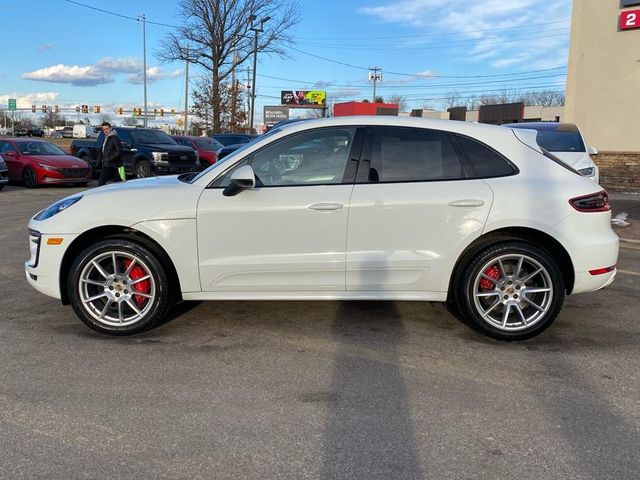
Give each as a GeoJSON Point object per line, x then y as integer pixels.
{"type": "Point", "coordinates": [325, 207]}
{"type": "Point", "coordinates": [469, 202]}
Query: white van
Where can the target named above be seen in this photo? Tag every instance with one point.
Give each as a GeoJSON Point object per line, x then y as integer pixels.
{"type": "Point", "coordinates": [84, 131]}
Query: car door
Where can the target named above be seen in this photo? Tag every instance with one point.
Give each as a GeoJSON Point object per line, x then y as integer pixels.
{"type": "Point", "coordinates": [128, 152]}
{"type": "Point", "coordinates": [413, 207]}
{"type": "Point", "coordinates": [289, 233]}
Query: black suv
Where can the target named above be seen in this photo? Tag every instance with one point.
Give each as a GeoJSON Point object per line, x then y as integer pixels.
{"type": "Point", "coordinates": [145, 151]}
{"type": "Point", "coordinates": [29, 132]}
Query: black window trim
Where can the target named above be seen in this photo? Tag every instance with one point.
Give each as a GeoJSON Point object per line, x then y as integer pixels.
{"type": "Point", "coordinates": [349, 173]}
{"type": "Point", "coordinates": [362, 176]}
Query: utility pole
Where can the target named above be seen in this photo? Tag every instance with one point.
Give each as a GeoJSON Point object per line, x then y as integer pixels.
{"type": "Point", "coordinates": [375, 75]}
{"type": "Point", "coordinates": [249, 90]}
{"type": "Point", "coordinates": [256, 28]}
{"type": "Point", "coordinates": [143, 18]}
{"type": "Point", "coordinates": [186, 95]}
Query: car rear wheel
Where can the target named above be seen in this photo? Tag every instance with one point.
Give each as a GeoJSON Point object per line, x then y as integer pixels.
{"type": "Point", "coordinates": [511, 291]}
{"type": "Point", "coordinates": [29, 178]}
{"type": "Point", "coordinates": [119, 287]}
{"type": "Point", "coordinates": [143, 169]}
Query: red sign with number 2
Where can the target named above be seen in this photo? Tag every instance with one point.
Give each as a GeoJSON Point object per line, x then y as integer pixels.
{"type": "Point", "coordinates": [630, 19]}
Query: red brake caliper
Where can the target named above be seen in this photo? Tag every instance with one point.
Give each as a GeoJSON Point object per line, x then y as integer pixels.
{"type": "Point", "coordinates": [494, 272]}
{"type": "Point", "coordinates": [143, 287]}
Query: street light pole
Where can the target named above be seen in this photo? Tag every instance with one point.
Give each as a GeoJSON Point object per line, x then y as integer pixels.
{"type": "Point", "coordinates": [143, 18]}
{"type": "Point", "coordinates": [256, 28]}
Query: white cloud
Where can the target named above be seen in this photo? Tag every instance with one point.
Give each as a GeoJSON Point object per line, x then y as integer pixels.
{"type": "Point", "coordinates": [153, 75]}
{"type": "Point", "coordinates": [484, 23]}
{"type": "Point", "coordinates": [103, 71]}
{"type": "Point", "coordinates": [25, 100]}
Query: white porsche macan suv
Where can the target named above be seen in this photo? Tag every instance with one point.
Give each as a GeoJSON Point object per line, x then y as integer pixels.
{"type": "Point", "coordinates": [349, 208]}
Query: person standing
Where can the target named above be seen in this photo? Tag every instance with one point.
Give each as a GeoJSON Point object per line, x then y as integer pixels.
{"type": "Point", "coordinates": [110, 156]}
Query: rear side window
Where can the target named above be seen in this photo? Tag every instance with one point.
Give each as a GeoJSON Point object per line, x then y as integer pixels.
{"type": "Point", "coordinates": [484, 161]}
{"type": "Point", "coordinates": [560, 141]}
{"type": "Point", "coordinates": [412, 155]}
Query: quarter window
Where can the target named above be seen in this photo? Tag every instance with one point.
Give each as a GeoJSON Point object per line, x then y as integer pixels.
{"type": "Point", "coordinates": [412, 155]}
{"type": "Point", "coordinates": [485, 162]}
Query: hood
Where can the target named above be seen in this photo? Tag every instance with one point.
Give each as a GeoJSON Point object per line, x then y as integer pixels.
{"type": "Point", "coordinates": [58, 161]}
{"type": "Point", "coordinates": [577, 160]}
{"type": "Point", "coordinates": [166, 147]}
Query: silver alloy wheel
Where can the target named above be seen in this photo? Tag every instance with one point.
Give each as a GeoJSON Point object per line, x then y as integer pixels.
{"type": "Point", "coordinates": [518, 298]}
{"type": "Point", "coordinates": [108, 292]}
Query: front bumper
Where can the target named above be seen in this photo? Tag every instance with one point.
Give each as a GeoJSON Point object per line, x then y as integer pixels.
{"type": "Point", "coordinates": [166, 168]}
{"type": "Point", "coordinates": [43, 268]}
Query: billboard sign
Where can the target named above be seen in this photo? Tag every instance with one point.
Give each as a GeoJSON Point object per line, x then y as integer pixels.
{"type": "Point", "coordinates": [630, 20]}
{"type": "Point", "coordinates": [275, 114]}
{"type": "Point", "coordinates": [303, 98]}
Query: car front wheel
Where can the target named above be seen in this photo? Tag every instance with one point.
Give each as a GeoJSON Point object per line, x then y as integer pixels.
{"type": "Point", "coordinates": [143, 169]}
{"type": "Point", "coordinates": [29, 178]}
{"type": "Point", "coordinates": [119, 287]}
{"type": "Point", "coordinates": [511, 291]}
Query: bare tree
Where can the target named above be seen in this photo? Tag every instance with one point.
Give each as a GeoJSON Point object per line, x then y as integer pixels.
{"type": "Point", "coordinates": [130, 122]}
{"type": "Point", "coordinates": [399, 99]}
{"type": "Point", "coordinates": [51, 120]}
{"type": "Point", "coordinates": [218, 36]}
{"type": "Point", "coordinates": [453, 99]}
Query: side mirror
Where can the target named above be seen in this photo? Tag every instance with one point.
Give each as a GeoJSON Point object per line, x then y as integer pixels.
{"type": "Point", "coordinates": [242, 179]}
{"type": "Point", "coordinates": [592, 151]}
{"type": "Point", "coordinates": [11, 153]}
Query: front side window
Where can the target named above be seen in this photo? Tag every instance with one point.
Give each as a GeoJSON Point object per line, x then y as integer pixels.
{"type": "Point", "coordinates": [318, 157]}
{"type": "Point", "coordinates": [412, 155]}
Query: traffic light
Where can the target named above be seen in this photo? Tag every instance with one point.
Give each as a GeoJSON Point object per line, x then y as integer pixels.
{"type": "Point", "coordinates": [120, 110]}
{"type": "Point", "coordinates": [96, 109]}
{"type": "Point", "coordinates": [33, 109]}
{"type": "Point", "coordinates": [155, 112]}
{"type": "Point", "coordinates": [77, 109]}
{"type": "Point", "coordinates": [44, 109]}
{"type": "Point", "coordinates": [139, 112]}
{"type": "Point", "coordinates": [85, 108]}
{"type": "Point", "coordinates": [56, 109]}
{"type": "Point", "coordinates": [173, 111]}
{"type": "Point", "coordinates": [162, 112]}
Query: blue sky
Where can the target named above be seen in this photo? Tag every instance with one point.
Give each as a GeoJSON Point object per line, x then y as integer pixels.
{"type": "Point", "coordinates": [66, 54]}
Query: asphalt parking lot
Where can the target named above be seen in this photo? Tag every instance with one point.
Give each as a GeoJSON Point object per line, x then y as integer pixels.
{"type": "Point", "coordinates": [271, 390]}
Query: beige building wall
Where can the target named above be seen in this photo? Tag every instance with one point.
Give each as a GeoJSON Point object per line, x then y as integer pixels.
{"type": "Point", "coordinates": [603, 83]}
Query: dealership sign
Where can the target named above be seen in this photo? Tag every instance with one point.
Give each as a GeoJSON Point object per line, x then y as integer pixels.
{"type": "Point", "coordinates": [303, 98]}
{"type": "Point", "coordinates": [275, 114]}
{"type": "Point", "coordinates": [630, 20]}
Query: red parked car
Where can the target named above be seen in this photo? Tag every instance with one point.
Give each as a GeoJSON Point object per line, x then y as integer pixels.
{"type": "Point", "coordinates": [37, 162]}
{"type": "Point", "coordinates": [205, 147]}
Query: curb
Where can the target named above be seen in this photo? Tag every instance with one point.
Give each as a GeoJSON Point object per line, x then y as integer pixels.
{"type": "Point", "coordinates": [630, 243]}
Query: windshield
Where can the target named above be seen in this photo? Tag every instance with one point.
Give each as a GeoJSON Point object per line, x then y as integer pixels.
{"type": "Point", "coordinates": [208, 144]}
{"type": "Point", "coordinates": [151, 136]}
{"type": "Point", "coordinates": [559, 141]}
{"type": "Point", "coordinates": [39, 148]}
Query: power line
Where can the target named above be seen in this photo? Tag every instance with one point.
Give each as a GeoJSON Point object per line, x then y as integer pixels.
{"type": "Point", "coordinates": [461, 32]}
{"type": "Point", "coordinates": [118, 14]}
{"type": "Point", "coordinates": [443, 44]}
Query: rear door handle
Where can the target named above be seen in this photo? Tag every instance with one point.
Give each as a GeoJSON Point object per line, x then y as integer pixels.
{"type": "Point", "coordinates": [325, 207]}
{"type": "Point", "coordinates": [467, 203]}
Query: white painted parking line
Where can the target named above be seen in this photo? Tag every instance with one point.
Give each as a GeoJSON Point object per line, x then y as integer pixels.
{"type": "Point", "coordinates": [627, 272]}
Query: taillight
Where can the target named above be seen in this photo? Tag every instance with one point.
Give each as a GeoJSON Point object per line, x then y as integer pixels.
{"type": "Point", "coordinates": [594, 202]}
{"type": "Point", "coordinates": [602, 271]}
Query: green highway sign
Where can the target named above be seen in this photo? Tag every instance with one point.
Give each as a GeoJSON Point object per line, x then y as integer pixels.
{"type": "Point", "coordinates": [12, 104]}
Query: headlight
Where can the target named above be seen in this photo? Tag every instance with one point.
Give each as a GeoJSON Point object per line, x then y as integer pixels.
{"type": "Point", "coordinates": [48, 167]}
{"type": "Point", "coordinates": [159, 156]}
{"type": "Point", "coordinates": [57, 207]}
{"type": "Point", "coordinates": [587, 172]}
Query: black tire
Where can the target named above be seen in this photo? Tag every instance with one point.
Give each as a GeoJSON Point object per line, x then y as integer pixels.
{"type": "Point", "coordinates": [143, 169]}
{"type": "Point", "coordinates": [531, 305]}
{"type": "Point", "coordinates": [29, 177]}
{"type": "Point", "coordinates": [151, 313]}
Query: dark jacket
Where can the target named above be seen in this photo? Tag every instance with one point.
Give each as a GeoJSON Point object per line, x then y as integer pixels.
{"type": "Point", "coordinates": [111, 154]}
